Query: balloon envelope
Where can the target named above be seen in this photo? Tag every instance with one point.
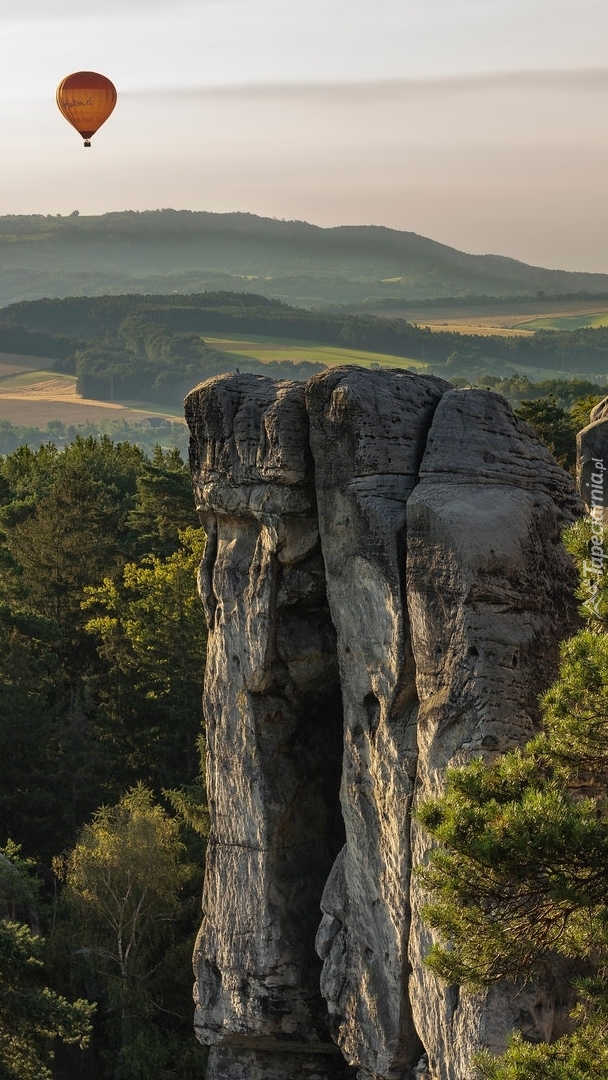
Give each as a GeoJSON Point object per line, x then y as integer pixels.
{"type": "Point", "coordinates": [86, 99]}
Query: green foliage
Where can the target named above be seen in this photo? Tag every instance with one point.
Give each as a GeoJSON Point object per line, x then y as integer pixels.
{"type": "Point", "coordinates": [583, 1054]}
{"type": "Point", "coordinates": [580, 409]}
{"type": "Point", "coordinates": [189, 802]}
{"type": "Point", "coordinates": [164, 505]}
{"type": "Point", "coordinates": [152, 636]}
{"type": "Point", "coordinates": [145, 435]}
{"type": "Point", "coordinates": [23, 342]}
{"type": "Point", "coordinates": [123, 880]}
{"type": "Point", "coordinates": [87, 714]}
{"type": "Point", "coordinates": [70, 537]}
{"type": "Point", "coordinates": [123, 900]}
{"type": "Point", "coordinates": [567, 392]}
{"type": "Point", "coordinates": [19, 888]}
{"type": "Point", "coordinates": [153, 629]}
{"type": "Point", "coordinates": [524, 872]}
{"type": "Point", "coordinates": [587, 542]}
{"type": "Point", "coordinates": [80, 732]}
{"type": "Point", "coordinates": [522, 863]}
{"type": "Point", "coordinates": [555, 426]}
{"type": "Point", "coordinates": [33, 1017]}
{"type": "Point", "coordinates": [576, 712]}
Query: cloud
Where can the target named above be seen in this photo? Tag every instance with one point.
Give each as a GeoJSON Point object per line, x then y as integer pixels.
{"type": "Point", "coordinates": [593, 80]}
{"type": "Point", "coordinates": [532, 108]}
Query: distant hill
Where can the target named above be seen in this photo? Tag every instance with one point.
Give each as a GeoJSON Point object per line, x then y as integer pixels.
{"type": "Point", "coordinates": [184, 251]}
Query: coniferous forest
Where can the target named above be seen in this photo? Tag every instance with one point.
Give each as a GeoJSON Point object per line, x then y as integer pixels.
{"type": "Point", "coordinates": [102, 811]}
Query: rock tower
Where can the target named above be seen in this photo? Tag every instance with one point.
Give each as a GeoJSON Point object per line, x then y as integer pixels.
{"type": "Point", "coordinates": [385, 589]}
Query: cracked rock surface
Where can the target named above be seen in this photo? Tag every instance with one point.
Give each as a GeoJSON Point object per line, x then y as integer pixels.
{"type": "Point", "coordinates": [489, 591]}
{"type": "Point", "coordinates": [385, 590]}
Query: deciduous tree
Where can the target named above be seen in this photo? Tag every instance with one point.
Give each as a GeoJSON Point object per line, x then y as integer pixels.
{"type": "Point", "coordinates": [123, 883]}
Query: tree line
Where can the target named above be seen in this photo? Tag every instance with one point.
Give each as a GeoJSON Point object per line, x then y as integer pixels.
{"type": "Point", "coordinates": [146, 434]}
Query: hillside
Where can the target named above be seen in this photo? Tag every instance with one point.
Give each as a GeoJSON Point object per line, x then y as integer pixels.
{"type": "Point", "coordinates": [149, 349]}
{"type": "Point", "coordinates": [184, 251]}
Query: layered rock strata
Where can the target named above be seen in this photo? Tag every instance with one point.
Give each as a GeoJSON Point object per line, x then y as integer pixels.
{"type": "Point", "coordinates": [385, 590]}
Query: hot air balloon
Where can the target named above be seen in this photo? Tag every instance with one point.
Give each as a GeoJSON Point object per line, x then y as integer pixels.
{"type": "Point", "coordinates": [86, 99]}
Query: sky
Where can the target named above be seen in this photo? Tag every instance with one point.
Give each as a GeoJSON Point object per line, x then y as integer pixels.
{"type": "Point", "coordinates": [479, 123]}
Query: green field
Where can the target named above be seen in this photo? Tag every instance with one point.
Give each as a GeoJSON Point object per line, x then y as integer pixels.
{"type": "Point", "coordinates": [566, 322]}
{"type": "Point", "coordinates": [503, 318]}
{"type": "Point", "coordinates": [35, 397]}
{"type": "Point", "coordinates": [259, 348]}
{"type": "Point", "coordinates": [31, 394]}
{"type": "Point", "coordinates": [20, 381]}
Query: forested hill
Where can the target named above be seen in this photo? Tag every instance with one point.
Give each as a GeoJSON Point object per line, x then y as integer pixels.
{"type": "Point", "coordinates": [155, 348]}
{"type": "Point", "coordinates": [185, 251]}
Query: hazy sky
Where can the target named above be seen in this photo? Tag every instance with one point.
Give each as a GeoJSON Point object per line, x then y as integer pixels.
{"type": "Point", "coordinates": [480, 123]}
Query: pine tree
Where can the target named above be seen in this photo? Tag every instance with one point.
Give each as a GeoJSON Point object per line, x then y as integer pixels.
{"type": "Point", "coordinates": [522, 867]}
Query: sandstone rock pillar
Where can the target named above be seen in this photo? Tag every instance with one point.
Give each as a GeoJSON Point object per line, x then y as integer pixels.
{"type": "Point", "coordinates": [274, 732]}
{"type": "Point", "coordinates": [386, 590]}
{"type": "Point", "coordinates": [367, 434]}
{"type": "Point", "coordinates": [490, 595]}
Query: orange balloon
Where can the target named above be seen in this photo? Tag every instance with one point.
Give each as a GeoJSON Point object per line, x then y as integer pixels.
{"type": "Point", "coordinates": [86, 99]}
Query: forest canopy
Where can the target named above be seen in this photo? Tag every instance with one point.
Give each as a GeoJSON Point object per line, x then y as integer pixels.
{"type": "Point", "coordinates": [102, 648]}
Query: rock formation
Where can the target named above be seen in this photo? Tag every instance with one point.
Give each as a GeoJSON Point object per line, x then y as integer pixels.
{"type": "Point", "coordinates": [274, 732]}
{"type": "Point", "coordinates": [367, 437]}
{"type": "Point", "coordinates": [385, 590]}
{"type": "Point", "coordinates": [489, 590]}
{"type": "Point", "coordinates": [592, 460]}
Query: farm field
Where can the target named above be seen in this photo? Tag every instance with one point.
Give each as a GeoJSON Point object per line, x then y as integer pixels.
{"type": "Point", "coordinates": [508, 318]}
{"type": "Point", "coordinates": [474, 324]}
{"type": "Point", "coordinates": [16, 364]}
{"type": "Point", "coordinates": [32, 396]}
{"type": "Point", "coordinates": [569, 322]}
{"type": "Point", "coordinates": [260, 348]}
{"type": "Point", "coordinates": [481, 329]}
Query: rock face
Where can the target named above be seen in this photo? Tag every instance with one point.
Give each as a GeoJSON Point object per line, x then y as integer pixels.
{"type": "Point", "coordinates": [367, 436]}
{"type": "Point", "coordinates": [274, 730]}
{"type": "Point", "coordinates": [489, 590]}
{"type": "Point", "coordinates": [385, 590]}
{"type": "Point", "coordinates": [592, 461]}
